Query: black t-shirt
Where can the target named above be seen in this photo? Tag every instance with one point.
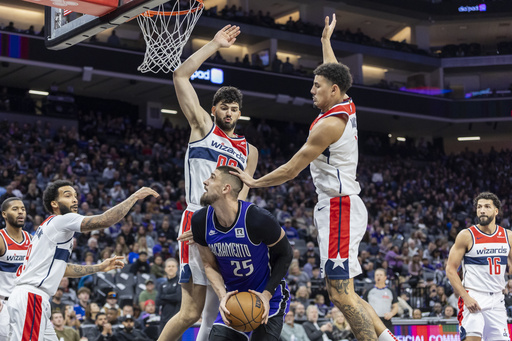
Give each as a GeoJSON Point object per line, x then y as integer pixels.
{"type": "Point", "coordinates": [260, 224]}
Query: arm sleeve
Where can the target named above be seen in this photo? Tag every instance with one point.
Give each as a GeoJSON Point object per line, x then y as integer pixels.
{"type": "Point", "coordinates": [199, 226]}
{"type": "Point", "coordinates": [263, 227]}
{"type": "Point", "coordinates": [68, 222]}
{"type": "Point", "coordinates": [395, 297]}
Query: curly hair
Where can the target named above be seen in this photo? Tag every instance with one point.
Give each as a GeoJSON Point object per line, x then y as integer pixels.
{"type": "Point", "coordinates": [488, 196]}
{"type": "Point", "coordinates": [228, 94]}
{"type": "Point", "coordinates": [51, 193]}
{"type": "Point", "coordinates": [336, 73]}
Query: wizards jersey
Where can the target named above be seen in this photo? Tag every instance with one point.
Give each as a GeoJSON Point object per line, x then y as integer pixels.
{"type": "Point", "coordinates": [205, 155]}
{"type": "Point", "coordinates": [485, 263]}
{"type": "Point", "coordinates": [242, 264]}
{"type": "Point", "coordinates": [49, 252]}
{"type": "Point", "coordinates": [334, 171]}
{"type": "Point", "coordinates": [11, 260]}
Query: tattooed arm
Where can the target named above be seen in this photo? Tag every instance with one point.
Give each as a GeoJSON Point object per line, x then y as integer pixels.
{"type": "Point", "coordinates": [74, 270]}
{"type": "Point", "coordinates": [116, 213]}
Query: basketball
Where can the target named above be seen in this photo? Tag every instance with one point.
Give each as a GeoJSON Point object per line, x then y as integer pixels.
{"type": "Point", "coordinates": [246, 311]}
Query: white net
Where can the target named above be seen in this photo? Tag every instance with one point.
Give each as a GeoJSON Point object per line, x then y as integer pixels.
{"type": "Point", "coordinates": [166, 32]}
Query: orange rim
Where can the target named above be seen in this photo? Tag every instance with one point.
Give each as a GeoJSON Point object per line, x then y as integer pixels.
{"type": "Point", "coordinates": [167, 14]}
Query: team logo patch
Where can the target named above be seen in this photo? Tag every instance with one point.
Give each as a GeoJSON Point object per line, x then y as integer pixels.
{"type": "Point", "coordinates": [239, 232]}
{"type": "Point", "coordinates": [211, 233]}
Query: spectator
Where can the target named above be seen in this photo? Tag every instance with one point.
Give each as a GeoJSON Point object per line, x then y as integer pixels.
{"type": "Point", "coordinates": [293, 331]}
{"type": "Point", "coordinates": [382, 298]}
{"type": "Point", "coordinates": [111, 303]}
{"type": "Point", "coordinates": [416, 314]}
{"type": "Point", "coordinates": [113, 39]}
{"type": "Point", "coordinates": [157, 268]}
{"type": "Point", "coordinates": [296, 277]}
{"type": "Point", "coordinates": [63, 333]}
{"type": "Point", "coordinates": [302, 295]}
{"type": "Point", "coordinates": [320, 304]}
{"type": "Point", "coordinates": [291, 232]}
{"type": "Point", "coordinates": [168, 298]}
{"type": "Point", "coordinates": [109, 171]}
{"type": "Point", "coordinates": [117, 193]}
{"type": "Point", "coordinates": [150, 320]}
{"type": "Point", "coordinates": [113, 319]}
{"type": "Point", "coordinates": [141, 265]}
{"type": "Point", "coordinates": [56, 303]}
{"type": "Point", "coordinates": [129, 333]}
{"type": "Point", "coordinates": [92, 331]}
{"type": "Point", "coordinates": [437, 310]}
{"type": "Point", "coordinates": [288, 67]}
{"type": "Point", "coordinates": [313, 330]}
{"type": "Point", "coordinates": [147, 294]}
{"type": "Point", "coordinates": [84, 294]}
{"type": "Point", "coordinates": [449, 312]}
{"type": "Point", "coordinates": [340, 327]}
{"type": "Point", "coordinates": [300, 313]}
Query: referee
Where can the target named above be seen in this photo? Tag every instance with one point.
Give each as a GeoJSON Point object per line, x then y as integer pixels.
{"type": "Point", "coordinates": [382, 298]}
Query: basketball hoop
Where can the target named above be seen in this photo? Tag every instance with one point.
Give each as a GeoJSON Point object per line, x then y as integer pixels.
{"type": "Point", "coordinates": [166, 33]}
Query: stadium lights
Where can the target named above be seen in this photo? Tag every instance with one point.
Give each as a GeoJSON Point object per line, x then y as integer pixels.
{"type": "Point", "coordinates": [401, 139]}
{"type": "Point", "coordinates": [37, 92]}
{"type": "Point", "coordinates": [169, 111]}
{"type": "Point", "coordinates": [244, 118]}
{"type": "Point", "coordinates": [468, 138]}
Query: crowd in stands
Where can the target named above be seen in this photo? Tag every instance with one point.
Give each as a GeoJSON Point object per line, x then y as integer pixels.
{"type": "Point", "coordinates": [418, 199]}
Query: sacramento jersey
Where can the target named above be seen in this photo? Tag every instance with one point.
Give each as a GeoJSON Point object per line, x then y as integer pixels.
{"type": "Point", "coordinates": [11, 261]}
{"type": "Point", "coordinates": [485, 263]}
{"type": "Point", "coordinates": [334, 171]}
{"type": "Point", "coordinates": [49, 252]}
{"type": "Point", "coordinates": [205, 155]}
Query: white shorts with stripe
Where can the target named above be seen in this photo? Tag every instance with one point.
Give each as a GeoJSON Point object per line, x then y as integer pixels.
{"type": "Point", "coordinates": [191, 265]}
{"type": "Point", "coordinates": [490, 323]}
{"type": "Point", "coordinates": [29, 311]}
{"type": "Point", "coordinates": [341, 224]}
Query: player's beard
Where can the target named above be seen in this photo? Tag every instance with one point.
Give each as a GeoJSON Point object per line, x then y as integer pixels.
{"type": "Point", "coordinates": [64, 209]}
{"type": "Point", "coordinates": [225, 126]}
{"type": "Point", "coordinates": [485, 220]}
{"type": "Point", "coordinates": [208, 199]}
{"type": "Point", "coordinates": [13, 221]}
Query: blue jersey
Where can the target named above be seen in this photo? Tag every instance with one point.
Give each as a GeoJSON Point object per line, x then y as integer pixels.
{"type": "Point", "coordinates": [243, 264]}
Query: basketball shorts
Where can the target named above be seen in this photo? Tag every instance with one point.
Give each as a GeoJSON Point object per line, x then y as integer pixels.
{"type": "Point", "coordinates": [191, 265]}
{"type": "Point", "coordinates": [4, 320]}
{"type": "Point", "coordinates": [341, 224]}
{"type": "Point", "coordinates": [29, 311]}
{"type": "Point", "coordinates": [279, 307]}
{"type": "Point", "coordinates": [490, 323]}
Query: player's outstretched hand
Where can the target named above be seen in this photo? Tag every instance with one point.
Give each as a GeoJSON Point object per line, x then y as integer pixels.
{"type": "Point", "coordinates": [187, 237]}
{"type": "Point", "coordinates": [144, 192]}
{"type": "Point", "coordinates": [222, 307]}
{"type": "Point", "coordinates": [227, 35]}
{"type": "Point", "coordinates": [115, 262]}
{"type": "Point", "coordinates": [246, 178]}
{"type": "Point", "coordinates": [265, 297]}
{"type": "Point", "coordinates": [472, 304]}
{"type": "Point", "coordinates": [329, 28]}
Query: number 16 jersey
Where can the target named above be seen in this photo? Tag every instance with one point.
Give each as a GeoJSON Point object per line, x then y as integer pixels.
{"type": "Point", "coordinates": [205, 155]}
{"type": "Point", "coordinates": [485, 263]}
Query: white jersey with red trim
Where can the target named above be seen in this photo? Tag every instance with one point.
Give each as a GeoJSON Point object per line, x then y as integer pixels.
{"type": "Point", "coordinates": [47, 257]}
{"type": "Point", "coordinates": [334, 171]}
{"type": "Point", "coordinates": [485, 263]}
{"type": "Point", "coordinates": [11, 260]}
{"type": "Point", "coordinates": [203, 156]}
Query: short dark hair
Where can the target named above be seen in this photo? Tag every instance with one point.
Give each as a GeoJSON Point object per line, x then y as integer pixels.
{"type": "Point", "coordinates": [8, 202]}
{"type": "Point", "coordinates": [235, 182]}
{"type": "Point", "coordinates": [228, 94]}
{"type": "Point", "coordinates": [488, 196]}
{"type": "Point", "coordinates": [51, 193]}
{"type": "Point", "coordinates": [336, 73]}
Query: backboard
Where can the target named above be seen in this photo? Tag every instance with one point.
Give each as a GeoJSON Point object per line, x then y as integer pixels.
{"type": "Point", "coordinates": [64, 28]}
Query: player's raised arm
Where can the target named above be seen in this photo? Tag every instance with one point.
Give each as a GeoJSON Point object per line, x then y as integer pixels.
{"type": "Point", "coordinates": [327, 50]}
{"type": "Point", "coordinates": [116, 213]}
{"type": "Point", "coordinates": [462, 243]}
{"type": "Point", "coordinates": [199, 120]}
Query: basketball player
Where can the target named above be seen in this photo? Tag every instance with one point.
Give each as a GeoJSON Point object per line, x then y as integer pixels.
{"type": "Point", "coordinates": [243, 248]}
{"type": "Point", "coordinates": [46, 260]}
{"type": "Point", "coordinates": [14, 243]}
{"type": "Point", "coordinates": [340, 215]}
{"type": "Point", "coordinates": [484, 250]}
{"type": "Point", "coordinates": [211, 144]}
